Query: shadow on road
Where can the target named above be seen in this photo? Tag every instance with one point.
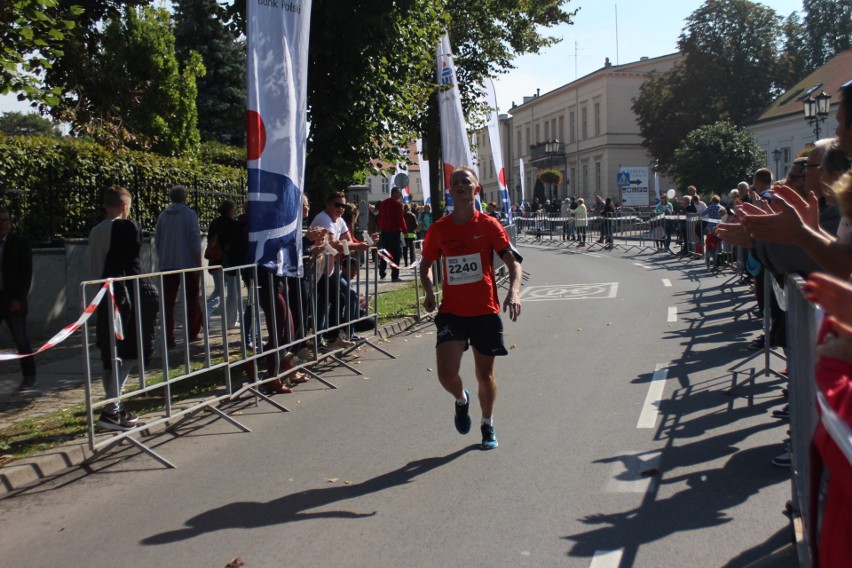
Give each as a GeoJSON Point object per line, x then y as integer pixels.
{"type": "Point", "coordinates": [294, 507]}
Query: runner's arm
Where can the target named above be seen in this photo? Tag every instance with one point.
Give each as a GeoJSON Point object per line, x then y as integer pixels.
{"type": "Point", "coordinates": [513, 298]}
{"type": "Point", "coordinates": [426, 281]}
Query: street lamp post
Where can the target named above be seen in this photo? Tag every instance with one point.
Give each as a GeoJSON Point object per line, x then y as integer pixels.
{"type": "Point", "coordinates": [776, 153]}
{"type": "Point", "coordinates": [816, 110]}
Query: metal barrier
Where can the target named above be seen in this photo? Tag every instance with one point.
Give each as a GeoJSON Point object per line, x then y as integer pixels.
{"type": "Point", "coordinates": [801, 359]}
{"type": "Point", "coordinates": [296, 313]}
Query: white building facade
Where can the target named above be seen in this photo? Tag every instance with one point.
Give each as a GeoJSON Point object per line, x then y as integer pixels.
{"type": "Point", "coordinates": [585, 130]}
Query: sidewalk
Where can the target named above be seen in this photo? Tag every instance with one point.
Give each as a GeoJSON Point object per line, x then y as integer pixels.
{"type": "Point", "coordinates": [61, 384]}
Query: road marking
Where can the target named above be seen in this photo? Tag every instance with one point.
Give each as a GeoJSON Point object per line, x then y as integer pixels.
{"type": "Point", "coordinates": [672, 314]}
{"type": "Point", "coordinates": [607, 558]}
{"type": "Point", "coordinates": [651, 407]}
{"type": "Point", "coordinates": [600, 291]}
{"type": "Point", "coordinates": [667, 283]}
{"type": "Point", "coordinates": [640, 265]}
{"type": "Point", "coordinates": [633, 473]}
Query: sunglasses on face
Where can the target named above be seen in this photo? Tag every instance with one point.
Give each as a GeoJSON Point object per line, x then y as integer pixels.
{"type": "Point", "coordinates": [808, 165]}
{"type": "Point", "coordinates": [340, 205]}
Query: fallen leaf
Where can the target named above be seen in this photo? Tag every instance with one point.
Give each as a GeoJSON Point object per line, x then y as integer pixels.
{"type": "Point", "coordinates": [579, 329]}
{"type": "Point", "coordinates": [332, 480]}
{"type": "Point", "coordinates": [235, 563]}
{"type": "Point", "coordinates": [513, 346]}
{"type": "Point", "coordinates": [62, 529]}
{"type": "Point", "coordinates": [347, 482]}
{"type": "Point", "coordinates": [428, 369]}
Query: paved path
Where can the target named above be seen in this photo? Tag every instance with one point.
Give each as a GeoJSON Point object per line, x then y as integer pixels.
{"type": "Point", "coordinates": [625, 440]}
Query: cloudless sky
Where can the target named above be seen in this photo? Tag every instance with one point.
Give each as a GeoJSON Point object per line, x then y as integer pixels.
{"type": "Point", "coordinates": [645, 28]}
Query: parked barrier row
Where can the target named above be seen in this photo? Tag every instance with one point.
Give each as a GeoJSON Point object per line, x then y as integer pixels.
{"type": "Point", "coordinates": [304, 320]}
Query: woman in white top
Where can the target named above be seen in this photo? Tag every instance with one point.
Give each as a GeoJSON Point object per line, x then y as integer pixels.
{"type": "Point", "coordinates": [581, 221]}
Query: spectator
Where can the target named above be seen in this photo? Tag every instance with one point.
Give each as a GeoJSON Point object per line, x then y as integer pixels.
{"type": "Point", "coordinates": [178, 241]}
{"type": "Point", "coordinates": [410, 233]}
{"type": "Point", "coordinates": [392, 226]}
{"type": "Point", "coordinates": [424, 219]}
{"type": "Point", "coordinates": [581, 221]}
{"type": "Point", "coordinates": [114, 252]}
{"type": "Point", "coordinates": [220, 234]}
{"type": "Point", "coordinates": [16, 275]}
{"type": "Point", "coordinates": [329, 289]}
{"type": "Point", "coordinates": [662, 229]}
{"type": "Point", "coordinates": [608, 215]}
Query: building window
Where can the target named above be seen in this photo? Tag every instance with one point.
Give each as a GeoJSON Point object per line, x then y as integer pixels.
{"type": "Point", "coordinates": [584, 122]}
{"type": "Point", "coordinates": [597, 119]}
{"type": "Point", "coordinates": [385, 185]}
{"type": "Point", "coordinates": [527, 147]}
{"type": "Point", "coordinates": [546, 130]}
{"type": "Point", "coordinates": [585, 178]}
{"type": "Point", "coordinates": [562, 128]}
{"type": "Point", "coordinates": [537, 133]}
{"type": "Point", "coordinates": [572, 125]}
{"type": "Point", "coordinates": [598, 176]}
{"type": "Point", "coordinates": [785, 160]}
{"type": "Point", "coordinates": [573, 177]}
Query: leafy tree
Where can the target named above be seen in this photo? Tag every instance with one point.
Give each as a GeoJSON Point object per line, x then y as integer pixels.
{"type": "Point", "coordinates": [716, 157]}
{"type": "Point", "coordinates": [201, 26]}
{"type": "Point", "coordinates": [828, 26]}
{"type": "Point", "coordinates": [134, 94]}
{"type": "Point", "coordinates": [794, 62]}
{"type": "Point", "coordinates": [730, 73]}
{"type": "Point", "coordinates": [32, 33]}
{"type": "Point", "coordinates": [373, 91]}
{"type": "Point", "coordinates": [20, 124]}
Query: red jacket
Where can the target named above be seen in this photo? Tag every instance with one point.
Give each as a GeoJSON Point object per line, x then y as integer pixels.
{"type": "Point", "coordinates": [391, 218]}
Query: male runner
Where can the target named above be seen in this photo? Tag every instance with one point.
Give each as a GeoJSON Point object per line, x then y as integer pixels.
{"type": "Point", "coordinates": [470, 309]}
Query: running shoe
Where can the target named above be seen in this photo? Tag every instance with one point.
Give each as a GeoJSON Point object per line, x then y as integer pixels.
{"type": "Point", "coordinates": [489, 439]}
{"type": "Point", "coordinates": [462, 418]}
{"type": "Point", "coordinates": [114, 421]}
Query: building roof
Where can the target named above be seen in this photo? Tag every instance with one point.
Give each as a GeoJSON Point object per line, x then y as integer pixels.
{"type": "Point", "coordinates": [828, 78]}
{"type": "Point", "coordinates": [641, 67]}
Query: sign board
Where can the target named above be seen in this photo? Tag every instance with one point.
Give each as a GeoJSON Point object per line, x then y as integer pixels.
{"type": "Point", "coordinates": [634, 185]}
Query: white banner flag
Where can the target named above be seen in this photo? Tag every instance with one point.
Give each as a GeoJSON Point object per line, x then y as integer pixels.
{"type": "Point", "coordinates": [277, 131]}
{"type": "Point", "coordinates": [423, 165]}
{"type": "Point", "coordinates": [523, 182]}
{"type": "Point", "coordinates": [496, 147]}
{"type": "Point", "coordinates": [455, 149]}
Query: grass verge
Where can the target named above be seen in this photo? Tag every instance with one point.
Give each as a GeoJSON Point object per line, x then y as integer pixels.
{"type": "Point", "coordinates": [34, 435]}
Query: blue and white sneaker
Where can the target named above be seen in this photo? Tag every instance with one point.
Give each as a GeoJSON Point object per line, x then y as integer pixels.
{"type": "Point", "coordinates": [462, 418]}
{"type": "Point", "coordinates": [489, 439]}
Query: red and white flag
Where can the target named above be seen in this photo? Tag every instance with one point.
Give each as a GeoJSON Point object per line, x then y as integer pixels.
{"type": "Point", "coordinates": [423, 164]}
{"type": "Point", "coordinates": [277, 131]}
{"type": "Point", "coordinates": [496, 147]}
{"type": "Point", "coordinates": [455, 149]}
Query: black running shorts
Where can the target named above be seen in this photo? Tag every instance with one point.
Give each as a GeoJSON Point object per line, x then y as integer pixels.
{"type": "Point", "coordinates": [485, 333]}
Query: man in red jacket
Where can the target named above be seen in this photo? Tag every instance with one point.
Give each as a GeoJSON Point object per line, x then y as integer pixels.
{"type": "Point", "coordinates": [392, 226]}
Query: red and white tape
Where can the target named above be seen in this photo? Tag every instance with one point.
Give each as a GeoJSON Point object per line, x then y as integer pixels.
{"type": "Point", "coordinates": [386, 255]}
{"type": "Point", "coordinates": [71, 328]}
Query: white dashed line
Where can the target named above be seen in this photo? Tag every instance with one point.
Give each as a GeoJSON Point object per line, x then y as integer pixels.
{"type": "Point", "coordinates": [607, 558]}
{"type": "Point", "coordinates": [672, 314]}
{"type": "Point", "coordinates": [640, 265]}
{"type": "Point", "coordinates": [667, 283]}
{"type": "Point", "coordinates": [651, 407]}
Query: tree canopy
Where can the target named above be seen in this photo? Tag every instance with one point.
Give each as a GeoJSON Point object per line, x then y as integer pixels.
{"type": "Point", "coordinates": [201, 26]}
{"type": "Point", "coordinates": [20, 124]}
{"type": "Point", "coordinates": [716, 157]}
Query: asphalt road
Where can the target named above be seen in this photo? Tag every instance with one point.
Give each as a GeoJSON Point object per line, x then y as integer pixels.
{"type": "Point", "coordinates": [591, 469]}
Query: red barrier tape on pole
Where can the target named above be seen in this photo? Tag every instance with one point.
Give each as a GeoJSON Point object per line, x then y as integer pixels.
{"type": "Point", "coordinates": [70, 329]}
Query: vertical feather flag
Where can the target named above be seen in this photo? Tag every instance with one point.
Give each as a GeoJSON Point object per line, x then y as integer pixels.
{"type": "Point", "coordinates": [455, 149]}
{"type": "Point", "coordinates": [496, 147]}
{"type": "Point", "coordinates": [277, 131]}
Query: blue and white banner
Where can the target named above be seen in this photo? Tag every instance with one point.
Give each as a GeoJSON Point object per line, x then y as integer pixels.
{"type": "Point", "coordinates": [278, 33]}
{"type": "Point", "coordinates": [455, 149]}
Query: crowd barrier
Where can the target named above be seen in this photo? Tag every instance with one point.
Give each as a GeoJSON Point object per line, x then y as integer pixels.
{"type": "Point", "coordinates": [297, 316]}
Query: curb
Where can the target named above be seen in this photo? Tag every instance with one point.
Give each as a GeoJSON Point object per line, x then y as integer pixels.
{"type": "Point", "coordinates": [25, 473]}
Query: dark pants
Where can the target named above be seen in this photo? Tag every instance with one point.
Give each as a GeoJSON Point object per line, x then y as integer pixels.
{"type": "Point", "coordinates": [392, 242]}
{"type": "Point", "coordinates": [17, 322]}
{"type": "Point", "coordinates": [283, 322]}
{"type": "Point", "coordinates": [171, 283]}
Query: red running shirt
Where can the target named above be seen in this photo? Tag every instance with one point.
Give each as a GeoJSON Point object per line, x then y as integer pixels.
{"type": "Point", "coordinates": [469, 287]}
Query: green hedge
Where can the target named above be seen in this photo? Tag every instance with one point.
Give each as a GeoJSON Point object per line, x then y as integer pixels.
{"type": "Point", "coordinates": [54, 187]}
